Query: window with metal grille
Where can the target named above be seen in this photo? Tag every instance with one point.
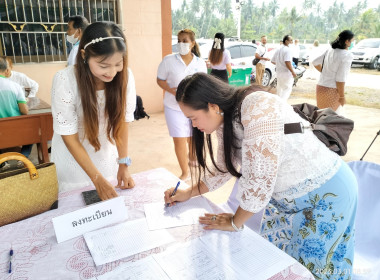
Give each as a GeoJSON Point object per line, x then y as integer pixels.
{"type": "Point", "coordinates": [34, 30]}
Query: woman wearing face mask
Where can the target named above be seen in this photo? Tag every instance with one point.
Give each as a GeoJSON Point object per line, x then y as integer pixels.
{"type": "Point", "coordinates": [220, 59]}
{"type": "Point", "coordinates": [171, 71]}
{"type": "Point", "coordinates": [75, 29]}
{"type": "Point", "coordinates": [334, 65]}
{"type": "Point", "coordinates": [92, 103]}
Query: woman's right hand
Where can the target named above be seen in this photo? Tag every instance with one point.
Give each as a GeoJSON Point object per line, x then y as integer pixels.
{"type": "Point", "coordinates": [180, 196]}
{"type": "Point", "coordinates": [104, 188]}
{"type": "Point", "coordinates": [173, 91]}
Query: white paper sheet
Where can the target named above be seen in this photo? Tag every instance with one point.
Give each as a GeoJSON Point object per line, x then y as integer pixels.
{"type": "Point", "coordinates": [124, 240]}
{"type": "Point", "coordinates": [185, 213]}
{"type": "Point", "coordinates": [192, 261]}
{"type": "Point", "coordinates": [90, 218]}
{"type": "Point", "coordinates": [147, 269]}
{"type": "Point", "coordinates": [247, 252]}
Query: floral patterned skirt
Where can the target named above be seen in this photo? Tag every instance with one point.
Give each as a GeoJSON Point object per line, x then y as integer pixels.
{"type": "Point", "coordinates": [317, 229]}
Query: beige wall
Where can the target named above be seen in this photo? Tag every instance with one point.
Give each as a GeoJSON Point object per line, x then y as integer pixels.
{"type": "Point", "coordinates": [141, 21]}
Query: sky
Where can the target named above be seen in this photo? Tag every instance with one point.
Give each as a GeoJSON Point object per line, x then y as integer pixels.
{"type": "Point", "coordinates": [176, 4]}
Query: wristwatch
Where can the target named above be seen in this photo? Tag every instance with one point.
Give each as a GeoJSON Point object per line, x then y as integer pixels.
{"type": "Point", "coordinates": [127, 161]}
{"type": "Point", "coordinates": [234, 226]}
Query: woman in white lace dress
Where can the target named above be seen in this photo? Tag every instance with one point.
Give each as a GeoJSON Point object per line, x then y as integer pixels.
{"type": "Point", "coordinates": [308, 193]}
{"type": "Point", "coordinates": [92, 104]}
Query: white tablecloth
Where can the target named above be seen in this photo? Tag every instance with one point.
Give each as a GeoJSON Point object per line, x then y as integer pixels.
{"type": "Point", "coordinates": [37, 255]}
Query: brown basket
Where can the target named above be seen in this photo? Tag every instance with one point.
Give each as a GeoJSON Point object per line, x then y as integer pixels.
{"type": "Point", "coordinates": [28, 191]}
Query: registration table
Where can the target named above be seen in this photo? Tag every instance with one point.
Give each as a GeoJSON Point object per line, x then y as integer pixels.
{"type": "Point", "coordinates": [37, 255]}
{"type": "Point", "coordinates": [34, 128]}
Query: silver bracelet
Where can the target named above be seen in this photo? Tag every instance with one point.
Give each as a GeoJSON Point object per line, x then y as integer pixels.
{"type": "Point", "coordinates": [234, 226]}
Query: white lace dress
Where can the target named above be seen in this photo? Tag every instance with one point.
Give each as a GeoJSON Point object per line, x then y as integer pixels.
{"type": "Point", "coordinates": [68, 119]}
{"type": "Point", "coordinates": [273, 164]}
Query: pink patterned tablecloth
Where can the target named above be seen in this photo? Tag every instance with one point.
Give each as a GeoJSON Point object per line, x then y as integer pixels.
{"type": "Point", "coordinates": [37, 255]}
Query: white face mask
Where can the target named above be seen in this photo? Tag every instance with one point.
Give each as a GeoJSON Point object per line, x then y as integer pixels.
{"type": "Point", "coordinates": [71, 39]}
{"type": "Point", "coordinates": [184, 48]}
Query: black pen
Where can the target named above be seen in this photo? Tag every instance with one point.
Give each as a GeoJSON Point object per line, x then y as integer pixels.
{"type": "Point", "coordinates": [10, 260]}
{"type": "Point", "coordinates": [173, 193]}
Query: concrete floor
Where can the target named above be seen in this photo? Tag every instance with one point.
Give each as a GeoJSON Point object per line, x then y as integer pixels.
{"type": "Point", "coordinates": [150, 145]}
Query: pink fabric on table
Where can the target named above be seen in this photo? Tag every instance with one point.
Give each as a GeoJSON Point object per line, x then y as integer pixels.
{"type": "Point", "coordinates": [37, 255]}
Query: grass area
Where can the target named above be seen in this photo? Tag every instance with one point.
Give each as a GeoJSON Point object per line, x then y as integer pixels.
{"type": "Point", "coordinates": [362, 70]}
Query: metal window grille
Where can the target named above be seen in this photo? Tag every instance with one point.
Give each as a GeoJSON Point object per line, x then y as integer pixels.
{"type": "Point", "coordinates": [34, 30]}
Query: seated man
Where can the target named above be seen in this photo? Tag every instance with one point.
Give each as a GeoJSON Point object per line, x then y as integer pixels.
{"type": "Point", "coordinates": [12, 103]}
{"type": "Point", "coordinates": [30, 86]}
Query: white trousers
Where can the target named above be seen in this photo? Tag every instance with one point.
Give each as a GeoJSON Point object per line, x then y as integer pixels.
{"type": "Point", "coordinates": [284, 86]}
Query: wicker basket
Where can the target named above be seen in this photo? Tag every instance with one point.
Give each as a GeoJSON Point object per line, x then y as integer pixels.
{"type": "Point", "coordinates": [28, 191]}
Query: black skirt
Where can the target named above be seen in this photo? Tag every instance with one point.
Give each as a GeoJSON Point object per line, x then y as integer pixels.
{"type": "Point", "coordinates": [221, 74]}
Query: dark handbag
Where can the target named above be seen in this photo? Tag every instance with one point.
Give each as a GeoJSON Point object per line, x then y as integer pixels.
{"type": "Point", "coordinates": [332, 129]}
{"type": "Point", "coordinates": [256, 60]}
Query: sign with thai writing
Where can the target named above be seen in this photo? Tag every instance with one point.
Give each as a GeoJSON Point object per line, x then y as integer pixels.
{"type": "Point", "coordinates": [90, 218]}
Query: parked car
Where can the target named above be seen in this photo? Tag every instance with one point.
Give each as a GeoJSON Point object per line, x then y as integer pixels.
{"type": "Point", "coordinates": [303, 51]}
{"type": "Point", "coordinates": [367, 52]}
{"type": "Point", "coordinates": [378, 65]}
{"type": "Point", "coordinates": [242, 54]}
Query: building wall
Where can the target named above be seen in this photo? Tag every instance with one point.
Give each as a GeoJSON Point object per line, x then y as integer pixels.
{"type": "Point", "coordinates": [142, 25]}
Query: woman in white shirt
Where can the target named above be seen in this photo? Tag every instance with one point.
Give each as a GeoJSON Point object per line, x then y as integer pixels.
{"type": "Point", "coordinates": [171, 71]}
{"type": "Point", "coordinates": [308, 192]}
{"type": "Point", "coordinates": [334, 65]}
{"type": "Point", "coordinates": [92, 103]}
{"type": "Point", "coordinates": [220, 59]}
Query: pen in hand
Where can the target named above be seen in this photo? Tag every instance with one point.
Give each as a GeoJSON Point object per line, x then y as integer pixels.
{"type": "Point", "coordinates": [10, 260]}
{"type": "Point", "coordinates": [173, 193]}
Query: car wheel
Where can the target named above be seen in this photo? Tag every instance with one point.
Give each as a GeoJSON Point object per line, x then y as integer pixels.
{"type": "Point", "coordinates": [374, 63]}
{"type": "Point", "coordinates": [266, 78]}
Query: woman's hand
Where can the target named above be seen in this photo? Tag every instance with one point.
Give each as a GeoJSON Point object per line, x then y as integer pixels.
{"type": "Point", "coordinates": [217, 221]}
{"type": "Point", "coordinates": [342, 100]}
{"type": "Point", "coordinates": [180, 196]}
{"type": "Point", "coordinates": [104, 188]}
{"type": "Point", "coordinates": [173, 91]}
{"type": "Point", "coordinates": [124, 179]}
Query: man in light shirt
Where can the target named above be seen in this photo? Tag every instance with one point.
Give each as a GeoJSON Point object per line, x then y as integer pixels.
{"type": "Point", "coordinates": [285, 72]}
{"type": "Point", "coordinates": [29, 86]}
{"type": "Point", "coordinates": [75, 28]}
{"type": "Point", "coordinates": [261, 53]}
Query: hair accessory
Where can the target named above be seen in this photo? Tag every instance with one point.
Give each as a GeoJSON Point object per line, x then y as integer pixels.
{"type": "Point", "coordinates": [217, 43]}
{"type": "Point", "coordinates": [101, 39]}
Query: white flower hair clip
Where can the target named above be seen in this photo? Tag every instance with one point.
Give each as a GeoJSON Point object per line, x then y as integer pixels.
{"type": "Point", "coordinates": [101, 39]}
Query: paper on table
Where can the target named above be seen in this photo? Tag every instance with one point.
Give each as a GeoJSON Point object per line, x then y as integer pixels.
{"type": "Point", "coordinates": [185, 213]}
{"type": "Point", "coordinates": [147, 269]}
{"type": "Point", "coordinates": [124, 240]}
{"type": "Point", "coordinates": [248, 252]}
{"type": "Point", "coordinates": [192, 261]}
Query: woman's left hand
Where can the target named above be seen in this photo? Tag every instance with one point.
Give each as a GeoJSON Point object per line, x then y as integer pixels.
{"type": "Point", "coordinates": [217, 221]}
{"type": "Point", "coordinates": [124, 179]}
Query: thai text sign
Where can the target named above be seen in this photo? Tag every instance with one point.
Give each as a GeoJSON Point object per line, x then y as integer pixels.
{"type": "Point", "coordinates": [90, 218]}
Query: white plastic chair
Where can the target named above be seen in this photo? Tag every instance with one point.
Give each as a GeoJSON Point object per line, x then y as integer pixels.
{"type": "Point", "coordinates": [367, 225]}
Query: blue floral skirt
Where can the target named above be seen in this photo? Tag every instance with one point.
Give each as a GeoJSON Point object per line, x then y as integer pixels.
{"type": "Point", "coordinates": [317, 229]}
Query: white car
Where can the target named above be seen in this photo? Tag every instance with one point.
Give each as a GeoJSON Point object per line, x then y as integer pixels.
{"type": "Point", "coordinates": [242, 54]}
{"type": "Point", "coordinates": [367, 52]}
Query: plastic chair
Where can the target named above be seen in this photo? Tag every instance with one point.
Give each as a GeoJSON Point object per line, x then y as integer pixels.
{"type": "Point", "coordinates": [367, 226]}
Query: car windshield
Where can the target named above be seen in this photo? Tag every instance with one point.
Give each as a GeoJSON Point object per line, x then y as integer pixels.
{"type": "Point", "coordinates": [368, 44]}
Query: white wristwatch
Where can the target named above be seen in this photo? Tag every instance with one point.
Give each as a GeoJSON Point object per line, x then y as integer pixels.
{"type": "Point", "coordinates": [127, 161]}
{"type": "Point", "coordinates": [234, 226]}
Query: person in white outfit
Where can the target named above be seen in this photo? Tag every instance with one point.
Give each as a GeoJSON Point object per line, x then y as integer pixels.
{"type": "Point", "coordinates": [334, 65]}
{"type": "Point", "coordinates": [262, 54]}
{"type": "Point", "coordinates": [92, 103]}
{"type": "Point", "coordinates": [75, 28]}
{"type": "Point", "coordinates": [313, 73]}
{"type": "Point", "coordinates": [171, 71]}
{"type": "Point", "coordinates": [220, 59]}
{"type": "Point", "coordinates": [29, 86]}
{"type": "Point", "coordinates": [285, 72]}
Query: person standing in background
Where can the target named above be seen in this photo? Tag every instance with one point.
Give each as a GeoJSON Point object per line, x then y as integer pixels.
{"type": "Point", "coordinates": [285, 72]}
{"type": "Point", "coordinates": [75, 28]}
{"type": "Point", "coordinates": [313, 73]}
{"type": "Point", "coordinates": [29, 86]}
{"type": "Point", "coordinates": [296, 51]}
{"type": "Point", "coordinates": [260, 54]}
{"type": "Point", "coordinates": [334, 65]}
{"type": "Point", "coordinates": [220, 59]}
{"type": "Point", "coordinates": [172, 69]}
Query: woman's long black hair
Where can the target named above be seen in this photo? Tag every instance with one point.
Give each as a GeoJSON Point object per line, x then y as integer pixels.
{"type": "Point", "coordinates": [340, 41]}
{"type": "Point", "coordinates": [198, 91]}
